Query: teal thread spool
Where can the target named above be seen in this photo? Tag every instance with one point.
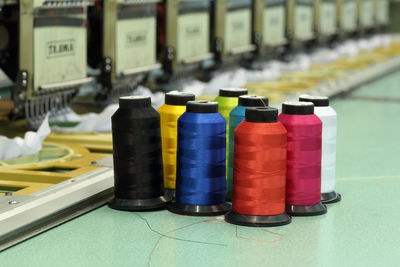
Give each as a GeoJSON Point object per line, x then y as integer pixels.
{"type": "Point", "coordinates": [236, 116]}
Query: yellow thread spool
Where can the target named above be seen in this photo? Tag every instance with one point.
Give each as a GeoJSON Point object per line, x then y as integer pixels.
{"type": "Point", "coordinates": [174, 107]}
{"type": "Point", "coordinates": [228, 99]}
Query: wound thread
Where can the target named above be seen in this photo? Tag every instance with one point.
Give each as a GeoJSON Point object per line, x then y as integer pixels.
{"type": "Point", "coordinates": [174, 107]}
{"type": "Point", "coordinates": [259, 176]}
{"type": "Point", "coordinates": [201, 157]}
{"type": "Point", "coordinates": [304, 143]}
{"type": "Point", "coordinates": [138, 170]}
{"type": "Point", "coordinates": [236, 116]}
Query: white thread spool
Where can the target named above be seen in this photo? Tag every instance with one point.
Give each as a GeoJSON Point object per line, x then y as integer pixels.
{"type": "Point", "coordinates": [328, 117]}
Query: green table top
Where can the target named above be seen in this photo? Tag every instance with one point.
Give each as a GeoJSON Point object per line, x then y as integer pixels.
{"type": "Point", "coordinates": [361, 230]}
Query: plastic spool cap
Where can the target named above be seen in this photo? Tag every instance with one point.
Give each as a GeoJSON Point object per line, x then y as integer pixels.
{"type": "Point", "coordinates": [178, 98]}
{"type": "Point", "coordinates": [128, 102]}
{"type": "Point", "coordinates": [318, 101]}
{"type": "Point", "coordinates": [202, 106]}
{"type": "Point", "coordinates": [298, 108]}
{"type": "Point", "coordinates": [232, 92]}
{"type": "Point", "coordinates": [253, 101]}
{"type": "Point", "coordinates": [262, 115]}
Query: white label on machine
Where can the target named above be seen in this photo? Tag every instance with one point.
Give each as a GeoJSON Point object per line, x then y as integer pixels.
{"type": "Point", "coordinates": [303, 26]}
{"type": "Point", "coordinates": [274, 25]}
{"type": "Point", "coordinates": [367, 13]}
{"type": "Point", "coordinates": [59, 54]}
{"type": "Point", "coordinates": [136, 43]}
{"type": "Point", "coordinates": [383, 12]}
{"type": "Point", "coordinates": [328, 18]}
{"type": "Point", "coordinates": [238, 29]}
{"type": "Point", "coordinates": [193, 35]}
{"type": "Point", "coordinates": [349, 15]}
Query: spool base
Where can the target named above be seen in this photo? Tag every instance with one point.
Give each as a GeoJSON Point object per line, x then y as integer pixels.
{"type": "Point", "coordinates": [312, 210]}
{"type": "Point", "coordinates": [331, 197]}
{"type": "Point", "coordinates": [170, 193]}
{"type": "Point", "coordinates": [197, 210]}
{"type": "Point", "coordinates": [139, 204]}
{"type": "Point", "coordinates": [257, 220]}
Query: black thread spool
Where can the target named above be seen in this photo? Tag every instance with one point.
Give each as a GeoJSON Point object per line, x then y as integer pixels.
{"type": "Point", "coordinates": [138, 169]}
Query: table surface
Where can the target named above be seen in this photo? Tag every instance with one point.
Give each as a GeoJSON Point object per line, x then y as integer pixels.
{"type": "Point", "coordinates": [361, 230]}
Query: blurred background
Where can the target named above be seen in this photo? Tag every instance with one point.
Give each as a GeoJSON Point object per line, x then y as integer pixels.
{"type": "Point", "coordinates": [65, 63]}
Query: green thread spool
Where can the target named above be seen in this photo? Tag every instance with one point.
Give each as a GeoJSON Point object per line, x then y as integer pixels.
{"type": "Point", "coordinates": [228, 99]}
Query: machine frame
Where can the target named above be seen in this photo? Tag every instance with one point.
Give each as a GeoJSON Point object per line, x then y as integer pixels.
{"type": "Point", "coordinates": [173, 63]}
{"type": "Point", "coordinates": [35, 197]}
{"type": "Point", "coordinates": [325, 19]}
{"type": "Point", "coordinates": [298, 10]}
{"type": "Point", "coordinates": [346, 17]}
{"type": "Point", "coordinates": [116, 15]}
{"type": "Point", "coordinates": [221, 16]}
{"type": "Point", "coordinates": [31, 98]}
{"type": "Point", "coordinates": [269, 26]}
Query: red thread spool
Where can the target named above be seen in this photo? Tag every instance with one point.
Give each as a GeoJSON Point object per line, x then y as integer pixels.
{"type": "Point", "coordinates": [259, 176]}
{"type": "Point", "coordinates": [304, 142]}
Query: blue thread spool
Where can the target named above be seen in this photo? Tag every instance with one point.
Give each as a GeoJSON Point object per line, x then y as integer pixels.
{"type": "Point", "coordinates": [236, 116]}
{"type": "Point", "coordinates": [201, 161]}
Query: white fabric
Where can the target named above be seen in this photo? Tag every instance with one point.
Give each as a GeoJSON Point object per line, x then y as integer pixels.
{"type": "Point", "coordinates": [29, 145]}
{"type": "Point", "coordinates": [324, 55]}
{"type": "Point", "coordinates": [90, 122]}
{"type": "Point", "coordinates": [270, 71]}
{"type": "Point", "coordinates": [352, 47]}
{"type": "Point", "coordinates": [193, 86]}
{"type": "Point", "coordinates": [300, 62]}
{"type": "Point", "coordinates": [374, 42]}
{"type": "Point", "coordinates": [101, 122]}
{"type": "Point", "coordinates": [236, 78]}
{"type": "Point", "coordinates": [347, 49]}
